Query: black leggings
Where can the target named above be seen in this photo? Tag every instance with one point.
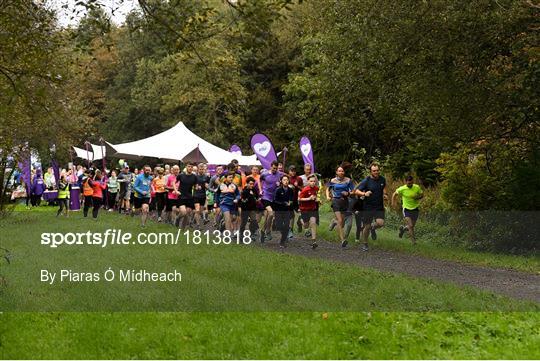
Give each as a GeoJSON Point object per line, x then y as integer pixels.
{"type": "Point", "coordinates": [97, 205]}
{"type": "Point", "coordinates": [357, 217]}
{"type": "Point", "coordinates": [282, 220]}
{"type": "Point", "coordinates": [111, 199]}
{"type": "Point", "coordinates": [35, 200]}
{"type": "Point", "coordinates": [160, 199]}
{"type": "Point", "coordinates": [87, 204]}
{"type": "Point", "coordinates": [63, 203]}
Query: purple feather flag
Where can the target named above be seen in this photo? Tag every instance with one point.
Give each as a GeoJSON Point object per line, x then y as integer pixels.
{"type": "Point", "coordinates": [263, 148]}
{"type": "Point", "coordinates": [307, 152]}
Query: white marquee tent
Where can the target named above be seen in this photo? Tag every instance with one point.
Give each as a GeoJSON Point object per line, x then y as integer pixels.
{"type": "Point", "coordinates": [178, 143]}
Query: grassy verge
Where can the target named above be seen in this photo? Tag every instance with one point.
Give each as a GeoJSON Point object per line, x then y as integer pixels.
{"type": "Point", "coordinates": [273, 335]}
{"type": "Point", "coordinates": [214, 278]}
{"type": "Point", "coordinates": [387, 238]}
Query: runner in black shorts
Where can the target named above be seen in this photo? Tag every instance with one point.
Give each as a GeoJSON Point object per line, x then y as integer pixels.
{"type": "Point", "coordinates": [186, 202]}
{"type": "Point", "coordinates": [410, 195]}
{"type": "Point", "coordinates": [373, 188]}
{"type": "Point", "coordinates": [199, 196]}
{"type": "Point", "coordinates": [338, 192]}
{"type": "Point", "coordinates": [309, 212]}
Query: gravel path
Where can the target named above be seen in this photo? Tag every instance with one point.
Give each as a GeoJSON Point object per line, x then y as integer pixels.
{"type": "Point", "coordinates": [515, 284]}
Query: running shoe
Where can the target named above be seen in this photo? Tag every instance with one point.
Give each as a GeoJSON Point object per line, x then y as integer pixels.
{"type": "Point", "coordinates": [314, 245]}
{"type": "Point", "coordinates": [333, 225]}
{"type": "Point", "coordinates": [290, 235]}
{"type": "Point", "coordinates": [402, 230]}
{"type": "Point", "coordinates": [344, 243]}
{"type": "Point", "coordinates": [159, 219]}
{"type": "Point", "coordinates": [268, 237]}
{"type": "Point", "coordinates": [308, 233]}
{"type": "Point", "coordinates": [365, 247]}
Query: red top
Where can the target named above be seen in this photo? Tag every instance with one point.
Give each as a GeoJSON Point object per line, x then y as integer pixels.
{"type": "Point", "coordinates": [98, 188]}
{"type": "Point", "coordinates": [306, 193]}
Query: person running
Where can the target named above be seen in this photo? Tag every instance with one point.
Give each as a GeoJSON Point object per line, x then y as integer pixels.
{"type": "Point", "coordinates": [227, 197]}
{"type": "Point", "coordinates": [309, 210]}
{"type": "Point", "coordinates": [248, 203]}
{"type": "Point", "coordinates": [159, 184]}
{"type": "Point", "coordinates": [172, 194]}
{"type": "Point", "coordinates": [142, 193]}
{"type": "Point", "coordinates": [112, 188]}
{"type": "Point", "coordinates": [354, 214]}
{"type": "Point", "coordinates": [87, 192]}
{"type": "Point", "coordinates": [373, 188]}
{"type": "Point", "coordinates": [282, 206]}
{"type": "Point", "coordinates": [98, 186]}
{"type": "Point", "coordinates": [203, 181]}
{"type": "Point", "coordinates": [269, 181]}
{"type": "Point", "coordinates": [296, 184]}
{"type": "Point", "coordinates": [186, 201]}
{"type": "Point", "coordinates": [411, 194]}
{"type": "Point", "coordinates": [209, 204]}
{"type": "Point", "coordinates": [215, 180]}
{"type": "Point", "coordinates": [63, 195]}
{"type": "Point", "coordinates": [124, 179]}
{"type": "Point", "coordinates": [338, 191]}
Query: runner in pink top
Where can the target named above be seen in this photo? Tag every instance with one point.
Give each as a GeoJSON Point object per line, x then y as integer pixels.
{"type": "Point", "coordinates": [171, 210]}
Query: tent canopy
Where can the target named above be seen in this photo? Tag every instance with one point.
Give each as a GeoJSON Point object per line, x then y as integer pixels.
{"type": "Point", "coordinates": [177, 143]}
{"type": "Point", "coordinates": [83, 154]}
{"type": "Point", "coordinates": [94, 152]}
{"type": "Point", "coordinates": [99, 151]}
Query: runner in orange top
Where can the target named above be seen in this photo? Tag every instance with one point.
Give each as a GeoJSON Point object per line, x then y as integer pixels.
{"type": "Point", "coordinates": [159, 184]}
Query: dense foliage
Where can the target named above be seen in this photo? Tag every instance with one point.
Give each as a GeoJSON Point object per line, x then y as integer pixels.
{"type": "Point", "coordinates": [447, 90]}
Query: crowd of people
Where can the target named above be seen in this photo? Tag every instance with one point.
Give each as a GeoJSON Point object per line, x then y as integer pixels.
{"type": "Point", "coordinates": [235, 200]}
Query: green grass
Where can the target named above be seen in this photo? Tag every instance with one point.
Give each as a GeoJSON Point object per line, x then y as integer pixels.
{"type": "Point", "coordinates": [215, 278]}
{"type": "Point", "coordinates": [388, 239]}
{"type": "Point", "coordinates": [270, 335]}
{"type": "Point", "coordinates": [239, 278]}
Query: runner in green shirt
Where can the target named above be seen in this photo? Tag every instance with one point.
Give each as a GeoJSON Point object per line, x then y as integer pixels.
{"type": "Point", "coordinates": [411, 194]}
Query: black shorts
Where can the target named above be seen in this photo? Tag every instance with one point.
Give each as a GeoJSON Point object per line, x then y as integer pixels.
{"type": "Point", "coordinates": [188, 203]}
{"type": "Point", "coordinates": [267, 203]}
{"type": "Point", "coordinates": [170, 204]}
{"type": "Point", "coordinates": [306, 215]}
{"type": "Point", "coordinates": [411, 213]}
{"type": "Point", "coordinates": [201, 201]}
{"type": "Point", "coordinates": [368, 215]}
{"type": "Point", "coordinates": [340, 204]}
{"type": "Point", "coordinates": [138, 202]}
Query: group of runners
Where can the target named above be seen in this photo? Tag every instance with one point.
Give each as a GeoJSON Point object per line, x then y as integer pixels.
{"type": "Point", "coordinates": [258, 201]}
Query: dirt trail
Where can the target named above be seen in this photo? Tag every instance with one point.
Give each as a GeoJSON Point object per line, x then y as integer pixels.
{"type": "Point", "coordinates": [515, 284]}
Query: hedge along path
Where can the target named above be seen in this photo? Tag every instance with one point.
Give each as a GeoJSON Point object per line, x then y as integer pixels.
{"type": "Point", "coordinates": [515, 284]}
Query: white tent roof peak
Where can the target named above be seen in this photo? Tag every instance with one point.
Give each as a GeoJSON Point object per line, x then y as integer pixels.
{"type": "Point", "coordinates": [178, 143]}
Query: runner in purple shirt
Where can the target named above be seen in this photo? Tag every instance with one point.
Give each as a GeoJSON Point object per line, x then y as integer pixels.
{"type": "Point", "coordinates": [269, 181]}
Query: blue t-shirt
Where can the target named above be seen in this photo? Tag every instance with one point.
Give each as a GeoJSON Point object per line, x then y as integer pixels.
{"type": "Point", "coordinates": [142, 184]}
{"type": "Point", "coordinates": [337, 186]}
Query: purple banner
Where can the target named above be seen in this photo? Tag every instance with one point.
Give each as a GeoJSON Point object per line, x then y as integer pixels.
{"type": "Point", "coordinates": [307, 152]}
{"type": "Point", "coordinates": [26, 170]}
{"type": "Point", "coordinates": [56, 171]}
{"type": "Point", "coordinates": [263, 148]}
{"type": "Point", "coordinates": [235, 149]}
